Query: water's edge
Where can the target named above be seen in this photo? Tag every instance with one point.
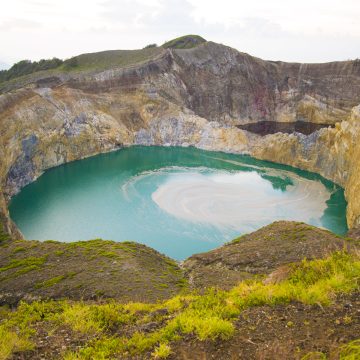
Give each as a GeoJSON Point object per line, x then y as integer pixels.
{"type": "Point", "coordinates": [337, 190]}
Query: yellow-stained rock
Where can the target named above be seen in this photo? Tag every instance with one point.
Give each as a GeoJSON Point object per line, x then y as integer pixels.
{"type": "Point", "coordinates": [193, 97]}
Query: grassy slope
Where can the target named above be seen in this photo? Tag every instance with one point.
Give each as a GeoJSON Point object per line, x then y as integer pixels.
{"type": "Point", "coordinates": [188, 323]}
{"type": "Point", "coordinates": [92, 62]}
{"type": "Point", "coordinates": [114, 58]}
{"type": "Point", "coordinates": [261, 252]}
{"type": "Point", "coordinates": [85, 270]}
{"type": "Point", "coordinates": [113, 330]}
{"type": "Point", "coordinates": [104, 60]}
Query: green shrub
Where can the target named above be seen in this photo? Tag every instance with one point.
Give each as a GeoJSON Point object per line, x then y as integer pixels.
{"type": "Point", "coordinates": [150, 46]}
{"type": "Point", "coordinates": [71, 63]}
{"type": "Point", "coordinates": [26, 67]}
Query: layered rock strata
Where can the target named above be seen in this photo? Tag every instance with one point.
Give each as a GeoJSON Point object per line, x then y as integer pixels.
{"type": "Point", "coordinates": [191, 97]}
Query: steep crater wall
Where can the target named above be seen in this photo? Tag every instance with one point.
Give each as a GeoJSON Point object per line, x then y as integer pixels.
{"type": "Point", "coordinates": [192, 97]}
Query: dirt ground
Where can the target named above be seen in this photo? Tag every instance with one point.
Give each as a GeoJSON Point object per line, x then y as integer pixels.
{"type": "Point", "coordinates": [260, 252]}
{"type": "Point", "coordinates": [282, 332]}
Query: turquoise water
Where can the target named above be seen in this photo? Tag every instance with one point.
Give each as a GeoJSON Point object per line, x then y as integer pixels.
{"type": "Point", "coordinates": [179, 201]}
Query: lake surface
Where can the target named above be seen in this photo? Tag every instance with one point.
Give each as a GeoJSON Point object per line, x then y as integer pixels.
{"type": "Point", "coordinates": [179, 201]}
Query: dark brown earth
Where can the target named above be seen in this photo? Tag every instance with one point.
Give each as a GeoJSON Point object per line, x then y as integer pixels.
{"type": "Point", "coordinates": [50, 344]}
{"type": "Point", "coordinates": [262, 333]}
{"type": "Point", "coordinates": [85, 270]}
{"type": "Point", "coordinates": [260, 252]}
{"type": "Point", "coordinates": [282, 332]}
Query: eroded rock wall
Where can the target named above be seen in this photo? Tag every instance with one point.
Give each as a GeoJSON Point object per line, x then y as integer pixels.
{"type": "Point", "coordinates": [191, 97]}
{"type": "Point", "coordinates": [332, 152]}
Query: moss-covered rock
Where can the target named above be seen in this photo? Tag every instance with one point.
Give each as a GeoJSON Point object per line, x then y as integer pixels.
{"type": "Point", "coordinates": [260, 253]}
{"type": "Point", "coordinates": [86, 270]}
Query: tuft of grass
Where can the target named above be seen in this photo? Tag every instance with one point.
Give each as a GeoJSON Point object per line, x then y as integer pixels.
{"type": "Point", "coordinates": [183, 283]}
{"type": "Point", "coordinates": [105, 348]}
{"type": "Point", "coordinates": [162, 351]}
{"type": "Point", "coordinates": [26, 265]}
{"type": "Point", "coordinates": [18, 249]}
{"type": "Point", "coordinates": [109, 254]}
{"type": "Point", "coordinates": [350, 351]}
{"type": "Point", "coordinates": [11, 342]}
{"type": "Point", "coordinates": [314, 355]}
{"type": "Point", "coordinates": [236, 240]}
{"type": "Point", "coordinates": [53, 281]}
{"type": "Point", "coordinates": [162, 286]}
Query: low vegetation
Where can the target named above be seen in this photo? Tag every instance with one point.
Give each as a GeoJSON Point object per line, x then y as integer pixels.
{"type": "Point", "coordinates": [184, 42]}
{"type": "Point", "coordinates": [26, 67]}
{"type": "Point", "coordinates": [91, 269]}
{"type": "Point", "coordinates": [3, 235]}
{"type": "Point", "coordinates": [350, 351]}
{"type": "Point", "coordinates": [28, 71]}
{"type": "Point", "coordinates": [91, 62]}
{"type": "Point", "coordinates": [94, 61]}
{"type": "Point", "coordinates": [262, 252]}
{"type": "Point", "coordinates": [150, 46]}
{"type": "Point", "coordinates": [112, 329]}
{"type": "Point", "coordinates": [24, 266]}
{"type": "Point", "coordinates": [113, 58]}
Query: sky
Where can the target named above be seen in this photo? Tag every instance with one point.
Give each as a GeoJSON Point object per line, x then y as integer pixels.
{"type": "Point", "coordinates": [302, 31]}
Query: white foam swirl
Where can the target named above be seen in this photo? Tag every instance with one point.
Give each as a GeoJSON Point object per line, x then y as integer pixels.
{"type": "Point", "coordinates": [240, 199]}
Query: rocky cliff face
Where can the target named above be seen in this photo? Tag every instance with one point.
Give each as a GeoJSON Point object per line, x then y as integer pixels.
{"type": "Point", "coordinates": [332, 152]}
{"type": "Point", "coordinates": [185, 97]}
